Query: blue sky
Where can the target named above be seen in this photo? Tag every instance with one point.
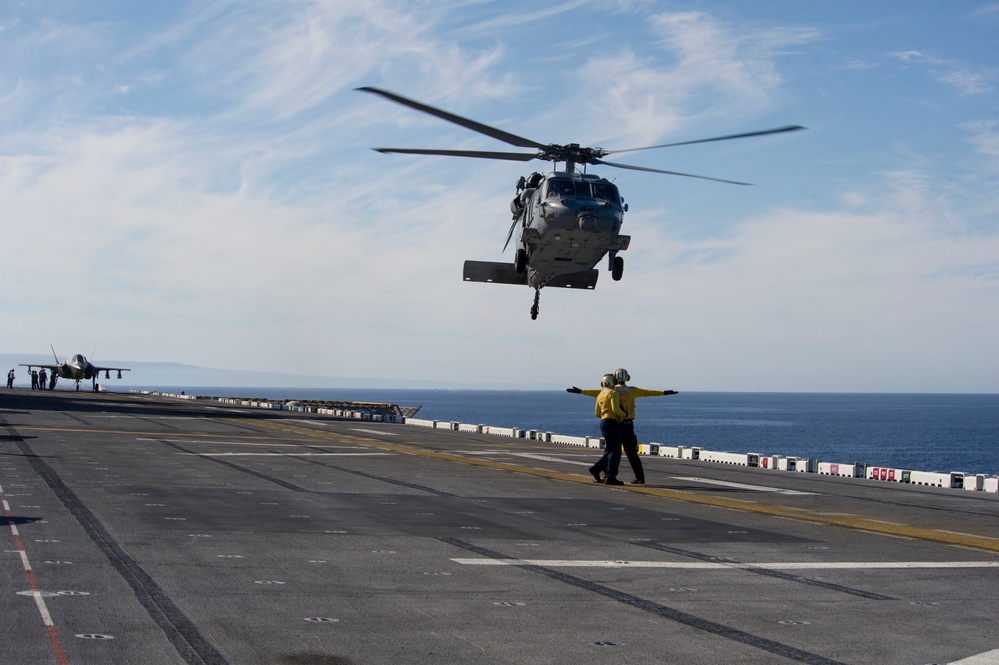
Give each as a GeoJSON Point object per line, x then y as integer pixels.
{"type": "Point", "coordinates": [192, 182]}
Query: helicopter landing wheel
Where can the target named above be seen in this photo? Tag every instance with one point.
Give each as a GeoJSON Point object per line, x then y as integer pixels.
{"type": "Point", "coordinates": [520, 262]}
{"type": "Point", "coordinates": [535, 308]}
{"type": "Point", "coordinates": [617, 269]}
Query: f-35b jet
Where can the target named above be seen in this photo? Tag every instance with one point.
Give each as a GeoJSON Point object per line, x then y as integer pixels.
{"type": "Point", "coordinates": [77, 368]}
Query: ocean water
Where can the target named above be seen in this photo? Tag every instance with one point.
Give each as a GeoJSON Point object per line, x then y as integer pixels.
{"type": "Point", "coordinates": [911, 431]}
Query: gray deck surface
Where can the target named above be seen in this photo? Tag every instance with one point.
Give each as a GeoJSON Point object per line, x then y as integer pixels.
{"type": "Point", "coordinates": [144, 530]}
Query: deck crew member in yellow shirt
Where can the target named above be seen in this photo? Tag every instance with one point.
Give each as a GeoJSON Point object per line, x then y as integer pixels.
{"type": "Point", "coordinates": [628, 395]}
{"type": "Point", "coordinates": [608, 409]}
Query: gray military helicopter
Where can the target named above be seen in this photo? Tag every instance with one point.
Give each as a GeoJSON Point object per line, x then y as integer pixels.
{"type": "Point", "coordinates": [565, 221]}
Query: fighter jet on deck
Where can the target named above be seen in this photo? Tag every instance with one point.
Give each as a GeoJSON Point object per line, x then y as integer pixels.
{"type": "Point", "coordinates": [77, 369]}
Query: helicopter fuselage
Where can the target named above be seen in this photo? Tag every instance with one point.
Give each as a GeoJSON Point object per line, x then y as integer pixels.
{"type": "Point", "coordinates": [567, 224]}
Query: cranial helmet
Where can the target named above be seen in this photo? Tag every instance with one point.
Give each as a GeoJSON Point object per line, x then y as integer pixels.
{"type": "Point", "coordinates": [621, 375]}
{"type": "Point", "coordinates": [607, 381]}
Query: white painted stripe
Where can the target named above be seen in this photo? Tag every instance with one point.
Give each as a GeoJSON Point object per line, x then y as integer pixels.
{"type": "Point", "coordinates": [372, 431]}
{"type": "Point", "coordinates": [228, 443]}
{"type": "Point", "coordinates": [244, 443]}
{"type": "Point", "coordinates": [43, 610]}
{"type": "Point", "coordinates": [707, 565]}
{"type": "Point", "coordinates": [988, 658]}
{"type": "Point", "coordinates": [284, 454]}
{"type": "Point", "coordinates": [546, 458]}
{"type": "Point", "coordinates": [755, 488]}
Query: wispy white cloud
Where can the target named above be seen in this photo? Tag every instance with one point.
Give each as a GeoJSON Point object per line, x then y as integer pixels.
{"type": "Point", "coordinates": [963, 78]}
{"type": "Point", "coordinates": [704, 67]}
{"type": "Point", "coordinates": [985, 138]}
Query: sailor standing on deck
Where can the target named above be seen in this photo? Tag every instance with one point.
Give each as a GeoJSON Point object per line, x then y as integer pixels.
{"type": "Point", "coordinates": [609, 410]}
{"type": "Point", "coordinates": [628, 395]}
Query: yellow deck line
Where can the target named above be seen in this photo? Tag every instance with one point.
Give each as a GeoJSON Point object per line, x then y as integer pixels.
{"type": "Point", "coordinates": [858, 522]}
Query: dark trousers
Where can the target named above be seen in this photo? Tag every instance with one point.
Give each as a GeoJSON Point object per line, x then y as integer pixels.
{"type": "Point", "coordinates": [630, 444]}
{"type": "Point", "coordinates": [610, 430]}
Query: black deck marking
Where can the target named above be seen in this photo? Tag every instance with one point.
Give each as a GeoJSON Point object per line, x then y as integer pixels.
{"type": "Point", "coordinates": [372, 476]}
{"type": "Point", "coordinates": [242, 469]}
{"type": "Point", "coordinates": [158, 422]}
{"type": "Point", "coordinates": [787, 577]}
{"type": "Point", "coordinates": [180, 631]}
{"type": "Point", "coordinates": [657, 609]}
{"type": "Point", "coordinates": [299, 488]}
{"type": "Point", "coordinates": [78, 419]}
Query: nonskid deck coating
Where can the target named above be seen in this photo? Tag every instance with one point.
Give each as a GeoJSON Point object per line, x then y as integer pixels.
{"type": "Point", "coordinates": [150, 541]}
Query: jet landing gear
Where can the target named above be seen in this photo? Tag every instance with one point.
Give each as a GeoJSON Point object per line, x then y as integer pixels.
{"type": "Point", "coordinates": [535, 307]}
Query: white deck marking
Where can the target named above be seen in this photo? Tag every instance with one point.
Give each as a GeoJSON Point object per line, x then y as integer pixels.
{"type": "Point", "coordinates": [755, 488]}
{"type": "Point", "coordinates": [988, 658]}
{"type": "Point", "coordinates": [43, 609]}
{"type": "Point", "coordinates": [548, 458]}
{"type": "Point", "coordinates": [284, 454]}
{"type": "Point", "coordinates": [372, 431]}
{"type": "Point", "coordinates": [706, 565]}
{"type": "Point", "coordinates": [244, 443]}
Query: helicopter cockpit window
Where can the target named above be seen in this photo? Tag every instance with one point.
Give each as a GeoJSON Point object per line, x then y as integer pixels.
{"type": "Point", "coordinates": [559, 188]}
{"type": "Point", "coordinates": [605, 191]}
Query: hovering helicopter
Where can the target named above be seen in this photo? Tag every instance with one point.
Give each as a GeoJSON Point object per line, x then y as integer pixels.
{"type": "Point", "coordinates": [565, 221]}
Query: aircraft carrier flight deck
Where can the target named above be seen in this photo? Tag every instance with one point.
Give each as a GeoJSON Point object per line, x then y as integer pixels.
{"type": "Point", "coordinates": [147, 530]}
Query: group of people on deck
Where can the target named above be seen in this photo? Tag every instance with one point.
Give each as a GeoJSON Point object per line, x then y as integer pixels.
{"type": "Point", "coordinates": [39, 380]}
{"type": "Point", "coordinates": [615, 408]}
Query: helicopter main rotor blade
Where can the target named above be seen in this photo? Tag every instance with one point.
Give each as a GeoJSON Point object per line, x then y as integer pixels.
{"type": "Point", "coordinates": [776, 130]}
{"type": "Point", "coordinates": [499, 134]}
{"type": "Point", "coordinates": [686, 175]}
{"type": "Point", "coordinates": [482, 154]}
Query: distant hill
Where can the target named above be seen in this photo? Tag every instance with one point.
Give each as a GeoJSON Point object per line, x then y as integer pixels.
{"type": "Point", "coordinates": [156, 374]}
